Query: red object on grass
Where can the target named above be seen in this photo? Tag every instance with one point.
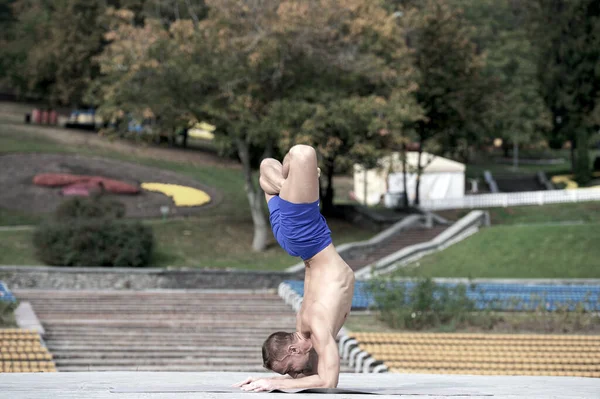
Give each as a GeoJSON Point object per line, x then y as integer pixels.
{"type": "Point", "coordinates": [75, 190]}
{"type": "Point", "coordinates": [36, 116]}
{"type": "Point", "coordinates": [87, 182]}
{"type": "Point", "coordinates": [56, 179]}
{"type": "Point", "coordinates": [52, 118]}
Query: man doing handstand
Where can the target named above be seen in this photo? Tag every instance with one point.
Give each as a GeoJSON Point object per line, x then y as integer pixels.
{"type": "Point", "coordinates": [307, 358]}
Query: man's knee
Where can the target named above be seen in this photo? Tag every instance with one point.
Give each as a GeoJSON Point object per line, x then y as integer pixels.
{"type": "Point", "coordinates": [303, 154]}
{"type": "Point", "coordinates": [269, 163]}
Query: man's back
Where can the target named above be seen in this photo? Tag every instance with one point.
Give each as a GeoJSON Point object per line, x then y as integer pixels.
{"type": "Point", "coordinates": [330, 288]}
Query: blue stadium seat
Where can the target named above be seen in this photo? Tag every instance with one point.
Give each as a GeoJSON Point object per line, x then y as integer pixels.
{"type": "Point", "coordinates": [5, 294]}
{"type": "Point", "coordinates": [499, 296]}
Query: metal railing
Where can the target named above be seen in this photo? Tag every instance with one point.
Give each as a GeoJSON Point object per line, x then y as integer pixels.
{"type": "Point", "coordinates": [514, 199]}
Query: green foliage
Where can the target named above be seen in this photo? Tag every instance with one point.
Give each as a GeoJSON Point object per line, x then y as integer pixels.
{"type": "Point", "coordinates": [88, 232]}
{"type": "Point", "coordinates": [7, 314]}
{"type": "Point", "coordinates": [89, 208]}
{"type": "Point", "coordinates": [516, 110]}
{"type": "Point", "coordinates": [94, 242]}
{"type": "Point", "coordinates": [51, 48]}
{"type": "Point", "coordinates": [566, 35]}
{"type": "Point", "coordinates": [426, 305]}
{"type": "Point", "coordinates": [451, 87]}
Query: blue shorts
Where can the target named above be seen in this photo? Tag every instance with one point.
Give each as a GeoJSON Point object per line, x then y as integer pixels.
{"type": "Point", "coordinates": [300, 229]}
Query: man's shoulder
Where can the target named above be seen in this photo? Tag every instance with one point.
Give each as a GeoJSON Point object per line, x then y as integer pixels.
{"type": "Point", "coordinates": [316, 316]}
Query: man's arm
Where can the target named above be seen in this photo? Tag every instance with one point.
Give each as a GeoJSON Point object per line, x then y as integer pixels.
{"type": "Point", "coordinates": [329, 360]}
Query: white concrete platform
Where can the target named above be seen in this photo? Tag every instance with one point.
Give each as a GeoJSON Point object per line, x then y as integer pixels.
{"type": "Point", "coordinates": [145, 385]}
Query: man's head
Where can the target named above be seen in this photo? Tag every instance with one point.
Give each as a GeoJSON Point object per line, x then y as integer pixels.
{"type": "Point", "coordinates": [289, 353]}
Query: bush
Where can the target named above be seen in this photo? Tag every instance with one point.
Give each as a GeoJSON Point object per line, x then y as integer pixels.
{"type": "Point", "coordinates": [7, 314]}
{"type": "Point", "coordinates": [425, 305]}
{"type": "Point", "coordinates": [94, 242]}
{"type": "Point", "coordinates": [89, 208]}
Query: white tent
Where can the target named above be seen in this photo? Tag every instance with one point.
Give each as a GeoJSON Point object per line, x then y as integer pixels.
{"type": "Point", "coordinates": [440, 178]}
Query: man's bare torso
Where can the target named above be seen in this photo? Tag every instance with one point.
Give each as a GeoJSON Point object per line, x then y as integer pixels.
{"type": "Point", "coordinates": [329, 287]}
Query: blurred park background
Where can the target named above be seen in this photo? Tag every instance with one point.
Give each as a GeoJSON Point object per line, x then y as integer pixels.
{"type": "Point", "coordinates": [459, 144]}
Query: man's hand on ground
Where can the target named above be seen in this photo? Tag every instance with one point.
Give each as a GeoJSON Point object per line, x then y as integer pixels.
{"type": "Point", "coordinates": [261, 385]}
{"type": "Point", "coordinates": [245, 382]}
{"type": "Point", "coordinates": [250, 380]}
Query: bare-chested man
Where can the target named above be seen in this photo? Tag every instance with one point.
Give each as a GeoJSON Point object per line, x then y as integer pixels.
{"type": "Point", "coordinates": [307, 358]}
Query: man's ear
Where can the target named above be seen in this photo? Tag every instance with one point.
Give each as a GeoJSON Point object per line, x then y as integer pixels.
{"type": "Point", "coordinates": [293, 350]}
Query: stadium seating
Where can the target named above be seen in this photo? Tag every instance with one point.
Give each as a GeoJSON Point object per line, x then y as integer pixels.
{"type": "Point", "coordinates": [485, 354]}
{"type": "Point", "coordinates": [21, 351]}
{"type": "Point", "coordinates": [509, 296]}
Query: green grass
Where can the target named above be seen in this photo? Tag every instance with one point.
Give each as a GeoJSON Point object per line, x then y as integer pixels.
{"type": "Point", "coordinates": [16, 248]}
{"type": "Point", "coordinates": [551, 213]}
{"type": "Point", "coordinates": [495, 322]}
{"type": "Point", "coordinates": [204, 244]}
{"type": "Point", "coordinates": [519, 251]}
{"type": "Point", "coordinates": [197, 242]}
{"type": "Point", "coordinates": [10, 217]}
{"type": "Point", "coordinates": [476, 169]}
{"type": "Point", "coordinates": [219, 238]}
{"type": "Point", "coordinates": [228, 181]}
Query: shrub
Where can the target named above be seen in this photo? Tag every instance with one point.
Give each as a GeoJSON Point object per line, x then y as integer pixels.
{"type": "Point", "coordinates": [89, 208]}
{"type": "Point", "coordinates": [424, 305]}
{"type": "Point", "coordinates": [94, 242]}
{"type": "Point", "coordinates": [7, 314]}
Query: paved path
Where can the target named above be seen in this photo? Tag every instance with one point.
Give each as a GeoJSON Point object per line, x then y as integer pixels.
{"type": "Point", "coordinates": [400, 240]}
{"type": "Point", "coordinates": [195, 385]}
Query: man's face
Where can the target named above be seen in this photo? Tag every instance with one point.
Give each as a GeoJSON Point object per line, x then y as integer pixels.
{"type": "Point", "coordinates": [297, 365]}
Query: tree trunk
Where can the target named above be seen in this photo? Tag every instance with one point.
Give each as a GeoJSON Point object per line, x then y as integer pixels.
{"type": "Point", "coordinates": [515, 153]}
{"type": "Point", "coordinates": [404, 183]}
{"type": "Point", "coordinates": [365, 187]}
{"type": "Point", "coordinates": [582, 167]}
{"type": "Point", "coordinates": [185, 137]}
{"type": "Point", "coordinates": [255, 198]}
{"type": "Point", "coordinates": [505, 148]}
{"type": "Point", "coordinates": [573, 155]}
{"type": "Point", "coordinates": [419, 170]}
{"type": "Point", "coordinates": [327, 199]}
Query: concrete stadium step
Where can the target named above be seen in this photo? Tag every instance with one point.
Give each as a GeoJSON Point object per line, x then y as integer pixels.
{"type": "Point", "coordinates": [397, 242]}
{"type": "Point", "coordinates": [118, 332]}
{"type": "Point", "coordinates": [131, 354]}
{"type": "Point", "coordinates": [159, 330]}
{"type": "Point", "coordinates": [158, 362]}
{"type": "Point", "coordinates": [181, 367]}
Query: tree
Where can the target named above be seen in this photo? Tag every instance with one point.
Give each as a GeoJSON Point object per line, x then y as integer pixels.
{"type": "Point", "coordinates": [246, 63]}
{"type": "Point", "coordinates": [52, 46]}
{"type": "Point", "coordinates": [516, 111]}
{"type": "Point", "coordinates": [451, 88]}
{"type": "Point", "coordinates": [566, 35]}
{"type": "Point", "coordinates": [365, 107]}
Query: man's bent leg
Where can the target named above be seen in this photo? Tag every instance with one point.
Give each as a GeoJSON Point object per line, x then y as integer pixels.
{"type": "Point", "coordinates": [301, 183]}
{"type": "Point", "coordinates": [271, 177]}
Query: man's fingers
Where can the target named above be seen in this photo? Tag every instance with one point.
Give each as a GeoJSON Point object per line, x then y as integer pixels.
{"type": "Point", "coordinates": [246, 381]}
{"type": "Point", "coordinates": [249, 387]}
